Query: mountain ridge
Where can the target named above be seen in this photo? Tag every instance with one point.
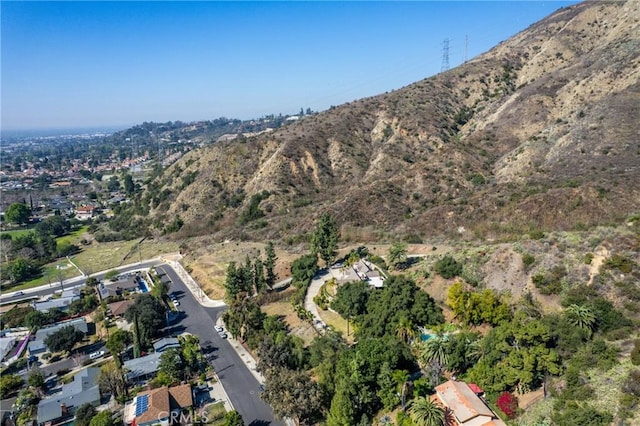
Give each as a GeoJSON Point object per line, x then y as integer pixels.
{"type": "Point", "coordinates": [539, 132]}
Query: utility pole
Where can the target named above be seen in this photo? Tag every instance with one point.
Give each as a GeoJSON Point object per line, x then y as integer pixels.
{"type": "Point", "coordinates": [445, 55]}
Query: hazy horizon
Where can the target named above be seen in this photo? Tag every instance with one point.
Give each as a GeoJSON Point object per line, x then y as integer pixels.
{"type": "Point", "coordinates": [68, 65]}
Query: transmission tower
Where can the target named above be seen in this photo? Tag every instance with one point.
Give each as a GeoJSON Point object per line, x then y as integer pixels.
{"type": "Point", "coordinates": [466, 42]}
{"type": "Point", "coordinates": [445, 55]}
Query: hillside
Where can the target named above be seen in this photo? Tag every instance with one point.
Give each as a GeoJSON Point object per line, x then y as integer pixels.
{"type": "Point", "coordinates": [541, 132]}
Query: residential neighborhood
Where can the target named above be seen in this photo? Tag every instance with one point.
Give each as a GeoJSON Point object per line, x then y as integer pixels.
{"type": "Point", "coordinates": [103, 364]}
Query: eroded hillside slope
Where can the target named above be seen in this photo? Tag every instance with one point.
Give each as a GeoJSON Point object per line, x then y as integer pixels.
{"type": "Point", "coordinates": [540, 132]}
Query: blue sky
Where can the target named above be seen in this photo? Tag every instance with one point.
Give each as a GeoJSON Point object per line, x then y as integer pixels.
{"type": "Point", "coordinates": [92, 64]}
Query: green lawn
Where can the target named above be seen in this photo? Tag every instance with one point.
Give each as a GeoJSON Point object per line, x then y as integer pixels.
{"type": "Point", "coordinates": [215, 414]}
{"type": "Point", "coordinates": [17, 232]}
{"type": "Point", "coordinates": [72, 237]}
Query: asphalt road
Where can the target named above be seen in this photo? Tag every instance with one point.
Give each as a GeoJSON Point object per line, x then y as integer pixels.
{"type": "Point", "coordinates": [239, 383]}
{"type": "Point", "coordinates": [67, 284]}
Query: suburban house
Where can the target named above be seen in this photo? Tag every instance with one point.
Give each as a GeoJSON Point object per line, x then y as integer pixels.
{"type": "Point", "coordinates": [37, 345]}
{"type": "Point", "coordinates": [62, 302]}
{"type": "Point", "coordinates": [117, 288]}
{"type": "Point", "coordinates": [464, 405]}
{"type": "Point", "coordinates": [61, 407]}
{"type": "Point", "coordinates": [158, 406]}
{"type": "Point", "coordinates": [118, 309]}
{"type": "Point", "coordinates": [362, 270]}
{"type": "Point", "coordinates": [143, 368]}
{"type": "Point", "coordinates": [85, 212]}
{"type": "Point", "coordinates": [166, 343]}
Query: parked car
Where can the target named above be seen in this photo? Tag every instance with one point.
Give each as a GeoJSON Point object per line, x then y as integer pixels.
{"type": "Point", "coordinates": [176, 303]}
{"type": "Point", "coordinates": [219, 328]}
{"type": "Point", "coordinates": [223, 335]}
{"type": "Point", "coordinates": [96, 355]}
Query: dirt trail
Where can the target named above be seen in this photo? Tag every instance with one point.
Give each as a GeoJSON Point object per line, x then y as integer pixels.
{"type": "Point", "coordinates": [598, 259]}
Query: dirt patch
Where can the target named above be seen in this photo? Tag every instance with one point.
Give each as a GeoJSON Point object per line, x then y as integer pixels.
{"type": "Point", "coordinates": [526, 400]}
{"type": "Point", "coordinates": [505, 272]}
{"type": "Point", "coordinates": [598, 259]}
{"type": "Point", "coordinates": [297, 327]}
{"type": "Point", "coordinates": [209, 264]}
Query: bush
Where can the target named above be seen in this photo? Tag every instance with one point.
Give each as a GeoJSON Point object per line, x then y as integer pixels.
{"type": "Point", "coordinates": [448, 267]}
{"type": "Point", "coordinates": [528, 259]}
{"type": "Point", "coordinates": [508, 404]}
{"type": "Point", "coordinates": [635, 353]}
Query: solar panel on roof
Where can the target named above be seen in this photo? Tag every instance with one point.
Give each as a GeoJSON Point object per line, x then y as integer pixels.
{"type": "Point", "coordinates": [142, 404]}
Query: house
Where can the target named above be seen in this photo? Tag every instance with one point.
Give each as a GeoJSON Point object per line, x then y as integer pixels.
{"type": "Point", "coordinates": [37, 345]}
{"type": "Point", "coordinates": [166, 343]}
{"type": "Point", "coordinates": [118, 309]}
{"type": "Point", "coordinates": [61, 303]}
{"type": "Point", "coordinates": [143, 368]}
{"type": "Point", "coordinates": [465, 407]}
{"type": "Point", "coordinates": [129, 284]}
{"type": "Point", "coordinates": [362, 271]}
{"type": "Point", "coordinates": [60, 407]}
{"type": "Point", "coordinates": [160, 407]}
{"type": "Point", "coordinates": [85, 212]}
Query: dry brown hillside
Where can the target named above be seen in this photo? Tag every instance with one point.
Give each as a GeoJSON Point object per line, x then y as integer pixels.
{"type": "Point", "coordinates": [542, 131]}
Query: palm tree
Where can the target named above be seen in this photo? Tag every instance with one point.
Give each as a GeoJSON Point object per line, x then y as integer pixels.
{"type": "Point", "coordinates": [424, 412]}
{"type": "Point", "coordinates": [582, 317]}
{"type": "Point", "coordinates": [405, 330]}
{"type": "Point", "coordinates": [435, 349]}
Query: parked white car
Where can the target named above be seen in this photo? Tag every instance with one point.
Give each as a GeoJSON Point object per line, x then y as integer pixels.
{"type": "Point", "coordinates": [96, 355]}
{"type": "Point", "coordinates": [219, 328]}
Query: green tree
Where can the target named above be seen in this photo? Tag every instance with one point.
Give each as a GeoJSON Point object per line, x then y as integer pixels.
{"type": "Point", "coordinates": [103, 418]}
{"type": "Point", "coordinates": [424, 412]}
{"type": "Point", "coordinates": [351, 299]}
{"type": "Point", "coordinates": [160, 289]}
{"type": "Point", "coordinates": [111, 381]}
{"type": "Point", "coordinates": [63, 339]}
{"type": "Point", "coordinates": [191, 354]}
{"type": "Point", "coordinates": [294, 395]}
{"type": "Point", "coordinates": [233, 418]}
{"type": "Point", "coordinates": [582, 317]}
{"type": "Point", "coordinates": [171, 364]}
{"type": "Point", "coordinates": [149, 315]}
{"type": "Point", "coordinates": [113, 184]}
{"type": "Point", "coordinates": [448, 267]}
{"type": "Point", "coordinates": [270, 264]}
{"type": "Point", "coordinates": [10, 383]}
{"type": "Point", "coordinates": [436, 349]}
{"type": "Point", "coordinates": [324, 241]}
{"type": "Point", "coordinates": [397, 256]}
{"type": "Point", "coordinates": [118, 341]}
{"type": "Point", "coordinates": [388, 392]}
{"type": "Point", "coordinates": [84, 414]}
{"type": "Point", "coordinates": [35, 319]}
{"type": "Point", "coordinates": [36, 379]}
{"type": "Point", "coordinates": [21, 269]}
{"type": "Point", "coordinates": [129, 186]}
{"type": "Point", "coordinates": [17, 213]}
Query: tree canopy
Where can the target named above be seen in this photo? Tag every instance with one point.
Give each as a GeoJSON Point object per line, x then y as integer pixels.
{"type": "Point", "coordinates": [149, 314]}
{"type": "Point", "coordinates": [17, 213]}
{"type": "Point", "coordinates": [324, 241]}
{"type": "Point", "coordinates": [63, 339]}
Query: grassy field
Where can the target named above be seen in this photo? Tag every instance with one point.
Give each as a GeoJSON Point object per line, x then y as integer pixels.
{"type": "Point", "coordinates": [97, 257]}
{"type": "Point", "coordinates": [17, 232]}
{"type": "Point", "coordinates": [104, 256]}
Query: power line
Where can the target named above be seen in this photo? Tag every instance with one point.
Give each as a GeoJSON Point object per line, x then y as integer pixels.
{"type": "Point", "coordinates": [445, 55]}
